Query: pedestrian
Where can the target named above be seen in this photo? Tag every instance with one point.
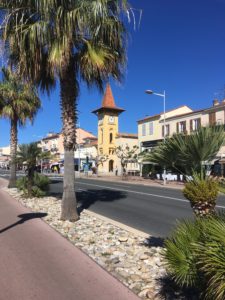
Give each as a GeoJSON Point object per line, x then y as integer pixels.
{"type": "Point", "coordinates": [116, 171]}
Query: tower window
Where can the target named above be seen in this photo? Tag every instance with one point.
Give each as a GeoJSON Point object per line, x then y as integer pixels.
{"type": "Point", "coordinates": [102, 136]}
{"type": "Point", "coordinates": [110, 137]}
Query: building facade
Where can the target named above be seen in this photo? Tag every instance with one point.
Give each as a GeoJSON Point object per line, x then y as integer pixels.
{"type": "Point", "coordinates": [151, 129]}
{"type": "Point", "coordinates": [109, 137]}
{"type": "Point", "coordinates": [85, 148]}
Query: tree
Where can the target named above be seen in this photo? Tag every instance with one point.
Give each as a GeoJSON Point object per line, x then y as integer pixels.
{"type": "Point", "coordinates": [20, 102]}
{"type": "Point", "coordinates": [66, 40]}
{"type": "Point", "coordinates": [29, 153]}
{"type": "Point", "coordinates": [126, 154]}
{"type": "Point", "coordinates": [188, 153]}
{"type": "Point", "coordinates": [99, 160]}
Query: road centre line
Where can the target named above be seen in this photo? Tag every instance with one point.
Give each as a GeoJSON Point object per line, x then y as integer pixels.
{"type": "Point", "coordinates": [141, 193]}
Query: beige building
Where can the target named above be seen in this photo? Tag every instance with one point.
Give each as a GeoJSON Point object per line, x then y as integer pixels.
{"type": "Point", "coordinates": [109, 137]}
{"type": "Point", "coordinates": [183, 119]}
{"type": "Point", "coordinates": [4, 156]}
{"type": "Point", "coordinates": [53, 142]}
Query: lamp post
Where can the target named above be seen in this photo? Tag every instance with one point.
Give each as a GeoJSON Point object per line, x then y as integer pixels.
{"type": "Point", "coordinates": [150, 92]}
{"type": "Point", "coordinates": [78, 127]}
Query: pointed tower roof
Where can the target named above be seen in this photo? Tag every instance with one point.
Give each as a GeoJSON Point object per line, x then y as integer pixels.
{"type": "Point", "coordinates": [108, 102]}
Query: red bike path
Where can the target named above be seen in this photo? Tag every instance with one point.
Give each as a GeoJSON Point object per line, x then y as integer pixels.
{"type": "Point", "coordinates": [36, 262]}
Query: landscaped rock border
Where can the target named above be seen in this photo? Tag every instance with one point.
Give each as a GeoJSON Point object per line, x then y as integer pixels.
{"type": "Point", "coordinates": [127, 256]}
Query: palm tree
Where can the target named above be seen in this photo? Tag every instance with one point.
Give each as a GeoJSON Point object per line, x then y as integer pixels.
{"type": "Point", "coordinates": [66, 40]}
{"type": "Point", "coordinates": [188, 153]}
{"type": "Point", "coordinates": [20, 102]}
{"type": "Point", "coordinates": [29, 153]}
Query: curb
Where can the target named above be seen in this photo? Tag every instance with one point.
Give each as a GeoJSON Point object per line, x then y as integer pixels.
{"type": "Point", "coordinates": [118, 224]}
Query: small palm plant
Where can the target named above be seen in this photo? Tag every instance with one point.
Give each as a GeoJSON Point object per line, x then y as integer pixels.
{"type": "Point", "coordinates": [28, 154]}
{"type": "Point", "coordinates": [195, 256]}
{"type": "Point", "coordinates": [202, 194]}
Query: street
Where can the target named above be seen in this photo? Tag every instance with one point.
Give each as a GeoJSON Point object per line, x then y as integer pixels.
{"type": "Point", "coordinates": [153, 210]}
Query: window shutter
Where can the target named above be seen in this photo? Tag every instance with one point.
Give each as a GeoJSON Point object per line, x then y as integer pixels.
{"type": "Point", "coordinates": [163, 131]}
{"type": "Point", "coordinates": [199, 122]}
{"type": "Point", "coordinates": [168, 129]}
{"type": "Point", "coordinates": [177, 127]}
{"type": "Point", "coordinates": [184, 127]}
{"type": "Point", "coordinates": [191, 125]}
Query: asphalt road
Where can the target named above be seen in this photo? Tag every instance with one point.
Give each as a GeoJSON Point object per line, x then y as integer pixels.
{"type": "Point", "coordinates": [153, 210]}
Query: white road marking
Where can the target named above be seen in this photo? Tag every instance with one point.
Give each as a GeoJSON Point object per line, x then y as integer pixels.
{"type": "Point", "coordinates": [136, 192]}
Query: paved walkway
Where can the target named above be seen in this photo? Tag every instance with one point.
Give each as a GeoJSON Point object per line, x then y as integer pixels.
{"type": "Point", "coordinates": [38, 263]}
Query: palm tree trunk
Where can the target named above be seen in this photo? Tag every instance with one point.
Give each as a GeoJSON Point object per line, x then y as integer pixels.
{"type": "Point", "coordinates": [69, 91]}
{"type": "Point", "coordinates": [13, 149]}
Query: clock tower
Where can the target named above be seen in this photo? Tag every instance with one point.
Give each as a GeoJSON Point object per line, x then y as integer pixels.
{"type": "Point", "coordinates": [108, 129]}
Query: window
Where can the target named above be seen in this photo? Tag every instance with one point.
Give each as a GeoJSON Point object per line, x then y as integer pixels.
{"type": "Point", "coordinates": [195, 124]}
{"type": "Point", "coordinates": [151, 128]}
{"type": "Point", "coordinates": [110, 137]}
{"type": "Point", "coordinates": [181, 127]}
{"type": "Point", "coordinates": [143, 129]}
{"type": "Point", "coordinates": [111, 151]}
{"type": "Point", "coordinates": [212, 118]}
{"type": "Point", "coordinates": [166, 131]}
{"type": "Point", "coordinates": [101, 136]}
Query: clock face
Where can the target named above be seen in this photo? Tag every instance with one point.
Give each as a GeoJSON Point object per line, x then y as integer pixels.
{"type": "Point", "coordinates": [111, 119]}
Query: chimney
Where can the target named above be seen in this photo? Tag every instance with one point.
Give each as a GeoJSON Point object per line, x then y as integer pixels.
{"type": "Point", "coordinates": [215, 102]}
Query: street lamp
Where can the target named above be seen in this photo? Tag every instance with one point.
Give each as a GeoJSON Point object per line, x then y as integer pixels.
{"type": "Point", "coordinates": [78, 127]}
{"type": "Point", "coordinates": [150, 92]}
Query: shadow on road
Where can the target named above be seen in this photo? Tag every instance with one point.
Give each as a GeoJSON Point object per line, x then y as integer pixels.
{"type": "Point", "coordinates": [89, 197]}
{"type": "Point", "coordinates": [24, 218]}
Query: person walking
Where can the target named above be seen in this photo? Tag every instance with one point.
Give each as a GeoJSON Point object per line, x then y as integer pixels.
{"type": "Point", "coordinates": [116, 171]}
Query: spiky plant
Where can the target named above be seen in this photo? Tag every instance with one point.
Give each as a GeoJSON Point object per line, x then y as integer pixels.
{"type": "Point", "coordinates": [181, 261]}
{"type": "Point", "coordinates": [66, 41]}
{"type": "Point", "coordinates": [20, 102]}
{"type": "Point", "coordinates": [211, 257]}
{"type": "Point", "coordinates": [202, 194]}
{"type": "Point", "coordinates": [188, 153]}
{"type": "Point", "coordinates": [28, 154]}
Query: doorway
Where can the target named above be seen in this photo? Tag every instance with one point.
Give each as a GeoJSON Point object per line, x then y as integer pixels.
{"type": "Point", "coordinates": [111, 162]}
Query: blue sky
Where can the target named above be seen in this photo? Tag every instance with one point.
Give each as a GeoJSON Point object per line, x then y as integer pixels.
{"type": "Point", "coordinates": [179, 47]}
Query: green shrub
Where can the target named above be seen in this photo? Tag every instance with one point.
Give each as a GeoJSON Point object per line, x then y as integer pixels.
{"type": "Point", "coordinates": [180, 257]}
{"type": "Point", "coordinates": [202, 194]}
{"type": "Point", "coordinates": [41, 181]}
{"type": "Point", "coordinates": [40, 187]}
{"type": "Point", "coordinates": [195, 256]}
{"type": "Point", "coordinates": [21, 183]}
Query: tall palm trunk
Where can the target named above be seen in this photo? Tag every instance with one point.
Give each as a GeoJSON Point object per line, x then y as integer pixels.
{"type": "Point", "coordinates": [13, 149]}
{"type": "Point", "coordinates": [68, 91]}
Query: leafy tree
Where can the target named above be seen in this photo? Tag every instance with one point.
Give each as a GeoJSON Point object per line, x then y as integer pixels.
{"type": "Point", "coordinates": [66, 40]}
{"type": "Point", "coordinates": [20, 102]}
{"type": "Point", "coordinates": [29, 153]}
{"type": "Point", "coordinates": [126, 154]}
{"type": "Point", "coordinates": [99, 160]}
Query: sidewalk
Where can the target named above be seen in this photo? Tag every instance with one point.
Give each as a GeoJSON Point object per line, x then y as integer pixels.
{"type": "Point", "coordinates": [137, 180]}
{"type": "Point", "coordinates": [38, 263]}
